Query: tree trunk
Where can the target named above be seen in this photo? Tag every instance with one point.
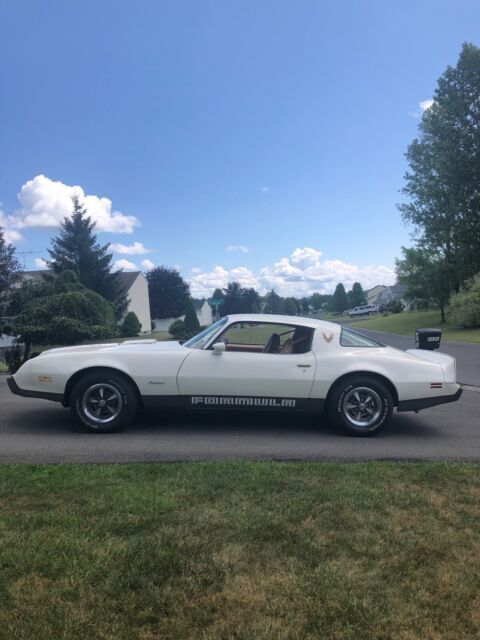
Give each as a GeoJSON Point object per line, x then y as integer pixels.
{"type": "Point", "coordinates": [442, 314]}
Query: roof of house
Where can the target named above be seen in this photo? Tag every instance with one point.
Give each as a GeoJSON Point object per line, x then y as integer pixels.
{"type": "Point", "coordinates": [127, 278]}
{"type": "Point", "coordinates": [36, 275]}
{"type": "Point", "coordinates": [399, 289]}
{"type": "Point", "coordinates": [198, 304]}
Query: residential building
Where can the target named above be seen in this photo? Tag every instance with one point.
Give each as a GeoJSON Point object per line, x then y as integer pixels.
{"type": "Point", "coordinates": [202, 309]}
{"type": "Point", "coordinates": [135, 285]}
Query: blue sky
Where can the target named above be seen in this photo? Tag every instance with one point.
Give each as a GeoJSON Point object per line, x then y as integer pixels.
{"type": "Point", "coordinates": [270, 126]}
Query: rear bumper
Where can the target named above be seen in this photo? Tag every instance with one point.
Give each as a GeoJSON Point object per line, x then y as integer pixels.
{"type": "Point", "coordinates": [425, 403]}
{"type": "Point", "coordinates": [27, 393]}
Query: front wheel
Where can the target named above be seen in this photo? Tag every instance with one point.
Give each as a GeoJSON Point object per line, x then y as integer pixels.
{"type": "Point", "coordinates": [361, 406]}
{"type": "Point", "coordinates": [104, 402]}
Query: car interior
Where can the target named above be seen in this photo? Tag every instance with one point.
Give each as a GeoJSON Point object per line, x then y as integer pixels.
{"type": "Point", "coordinates": [266, 338]}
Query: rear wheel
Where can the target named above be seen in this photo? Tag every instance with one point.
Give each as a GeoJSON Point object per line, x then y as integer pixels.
{"type": "Point", "coordinates": [104, 402]}
{"type": "Point", "coordinates": [360, 405]}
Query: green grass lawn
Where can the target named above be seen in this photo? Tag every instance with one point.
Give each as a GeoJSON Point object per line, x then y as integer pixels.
{"type": "Point", "coordinates": [256, 551]}
{"type": "Point", "coordinates": [405, 324]}
{"type": "Point", "coordinates": [3, 367]}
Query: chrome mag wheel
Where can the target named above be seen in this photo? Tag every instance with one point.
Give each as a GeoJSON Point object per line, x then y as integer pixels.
{"type": "Point", "coordinates": [362, 406]}
{"type": "Point", "coordinates": [102, 403]}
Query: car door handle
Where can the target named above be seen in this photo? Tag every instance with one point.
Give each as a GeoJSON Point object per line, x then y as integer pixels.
{"type": "Point", "coordinates": [304, 365]}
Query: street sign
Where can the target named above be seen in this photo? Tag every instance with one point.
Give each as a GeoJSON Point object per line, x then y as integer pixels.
{"type": "Point", "coordinates": [216, 302]}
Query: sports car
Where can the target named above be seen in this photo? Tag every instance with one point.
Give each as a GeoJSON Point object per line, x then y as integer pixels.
{"type": "Point", "coordinates": [244, 362]}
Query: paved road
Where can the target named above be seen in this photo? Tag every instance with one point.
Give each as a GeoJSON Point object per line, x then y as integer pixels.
{"type": "Point", "coordinates": [41, 431]}
{"type": "Point", "coordinates": [467, 354]}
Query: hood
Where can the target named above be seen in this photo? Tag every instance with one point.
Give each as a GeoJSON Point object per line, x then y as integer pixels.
{"type": "Point", "coordinates": [127, 345]}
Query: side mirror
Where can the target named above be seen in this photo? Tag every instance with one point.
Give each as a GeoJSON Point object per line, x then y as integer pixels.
{"type": "Point", "coordinates": [219, 348]}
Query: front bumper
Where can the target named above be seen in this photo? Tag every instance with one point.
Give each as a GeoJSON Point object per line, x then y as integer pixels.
{"type": "Point", "coordinates": [27, 393]}
{"type": "Point", "coordinates": [425, 403]}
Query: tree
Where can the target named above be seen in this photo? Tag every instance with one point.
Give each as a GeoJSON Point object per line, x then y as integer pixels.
{"type": "Point", "coordinates": [427, 275]}
{"type": "Point", "coordinates": [465, 305]}
{"type": "Point", "coordinates": [239, 300]}
{"type": "Point", "coordinates": [274, 303]}
{"type": "Point", "coordinates": [305, 305]}
{"type": "Point", "coordinates": [168, 292]}
{"type": "Point", "coordinates": [339, 299]}
{"type": "Point", "coordinates": [291, 307]}
{"type": "Point", "coordinates": [76, 249]}
{"type": "Point", "coordinates": [9, 273]}
{"type": "Point", "coordinates": [444, 174]}
{"type": "Point", "coordinates": [131, 326]}
{"type": "Point", "coordinates": [316, 301]}
{"type": "Point", "coordinates": [60, 310]}
{"type": "Point", "coordinates": [192, 325]}
{"type": "Point", "coordinates": [356, 296]}
{"type": "Point", "coordinates": [320, 300]}
{"type": "Point", "coordinates": [177, 330]}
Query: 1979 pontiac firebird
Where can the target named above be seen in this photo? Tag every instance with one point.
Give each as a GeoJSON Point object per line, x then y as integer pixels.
{"type": "Point", "coordinates": [244, 362]}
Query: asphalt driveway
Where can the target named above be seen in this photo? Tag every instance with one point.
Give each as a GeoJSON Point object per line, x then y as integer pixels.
{"type": "Point", "coordinates": [38, 431]}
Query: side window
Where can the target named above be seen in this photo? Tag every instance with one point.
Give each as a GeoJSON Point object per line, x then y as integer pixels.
{"type": "Point", "coordinates": [256, 337]}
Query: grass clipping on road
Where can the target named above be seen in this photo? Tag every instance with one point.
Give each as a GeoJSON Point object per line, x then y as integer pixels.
{"type": "Point", "coordinates": [240, 550]}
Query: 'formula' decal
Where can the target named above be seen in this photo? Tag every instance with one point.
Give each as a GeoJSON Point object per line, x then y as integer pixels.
{"type": "Point", "coordinates": [236, 401]}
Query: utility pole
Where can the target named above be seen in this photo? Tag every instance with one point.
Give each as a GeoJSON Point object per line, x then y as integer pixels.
{"type": "Point", "coordinates": [23, 255]}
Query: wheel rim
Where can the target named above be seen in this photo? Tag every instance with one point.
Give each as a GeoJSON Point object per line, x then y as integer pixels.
{"type": "Point", "coordinates": [102, 403]}
{"type": "Point", "coordinates": [362, 406]}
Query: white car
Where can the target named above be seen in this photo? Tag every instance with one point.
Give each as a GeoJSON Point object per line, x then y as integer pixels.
{"type": "Point", "coordinates": [364, 310]}
{"type": "Point", "coordinates": [244, 362]}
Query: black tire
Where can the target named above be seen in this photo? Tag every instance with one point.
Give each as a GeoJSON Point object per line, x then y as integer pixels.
{"type": "Point", "coordinates": [350, 408]}
{"type": "Point", "coordinates": [120, 402]}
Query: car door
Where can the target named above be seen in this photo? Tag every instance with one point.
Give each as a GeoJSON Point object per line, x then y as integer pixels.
{"type": "Point", "coordinates": [246, 380]}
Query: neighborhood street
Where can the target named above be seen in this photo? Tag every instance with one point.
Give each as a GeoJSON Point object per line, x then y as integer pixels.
{"type": "Point", "coordinates": [37, 431]}
{"type": "Point", "coordinates": [467, 354]}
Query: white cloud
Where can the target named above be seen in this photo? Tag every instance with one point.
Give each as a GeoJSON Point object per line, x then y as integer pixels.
{"type": "Point", "coordinates": [147, 265]}
{"type": "Point", "coordinates": [241, 248]}
{"type": "Point", "coordinates": [425, 104]}
{"type": "Point", "coordinates": [124, 264]}
{"type": "Point", "coordinates": [45, 202]}
{"type": "Point", "coordinates": [9, 234]}
{"type": "Point", "coordinates": [300, 274]}
{"type": "Point", "coordinates": [136, 248]}
{"type": "Point", "coordinates": [40, 263]}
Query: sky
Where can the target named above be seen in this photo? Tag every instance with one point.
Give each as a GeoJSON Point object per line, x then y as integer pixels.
{"type": "Point", "coordinates": [256, 140]}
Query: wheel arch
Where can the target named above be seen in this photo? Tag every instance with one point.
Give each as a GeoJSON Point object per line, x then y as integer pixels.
{"type": "Point", "coordinates": [97, 369]}
{"type": "Point", "coordinates": [370, 374]}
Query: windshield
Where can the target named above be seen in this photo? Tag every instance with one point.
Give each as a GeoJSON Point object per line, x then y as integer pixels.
{"type": "Point", "coordinates": [349, 338]}
{"type": "Point", "coordinates": [201, 339]}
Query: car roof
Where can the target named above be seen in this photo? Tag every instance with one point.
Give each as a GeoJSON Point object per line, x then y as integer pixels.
{"type": "Point", "coordinates": [279, 319]}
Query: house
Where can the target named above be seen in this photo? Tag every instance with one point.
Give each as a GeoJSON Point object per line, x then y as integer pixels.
{"type": "Point", "coordinates": [395, 292]}
{"type": "Point", "coordinates": [373, 293]}
{"type": "Point", "coordinates": [202, 309]}
{"type": "Point", "coordinates": [134, 283]}
{"type": "Point", "coordinates": [382, 295]}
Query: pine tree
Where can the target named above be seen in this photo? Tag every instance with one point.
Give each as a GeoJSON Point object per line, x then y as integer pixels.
{"type": "Point", "coordinates": [339, 299]}
{"type": "Point", "coordinates": [192, 325]}
{"type": "Point", "coordinates": [9, 273]}
{"type": "Point", "coordinates": [9, 265]}
{"type": "Point", "coordinates": [76, 249]}
{"type": "Point", "coordinates": [131, 326]}
{"type": "Point", "coordinates": [356, 297]}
